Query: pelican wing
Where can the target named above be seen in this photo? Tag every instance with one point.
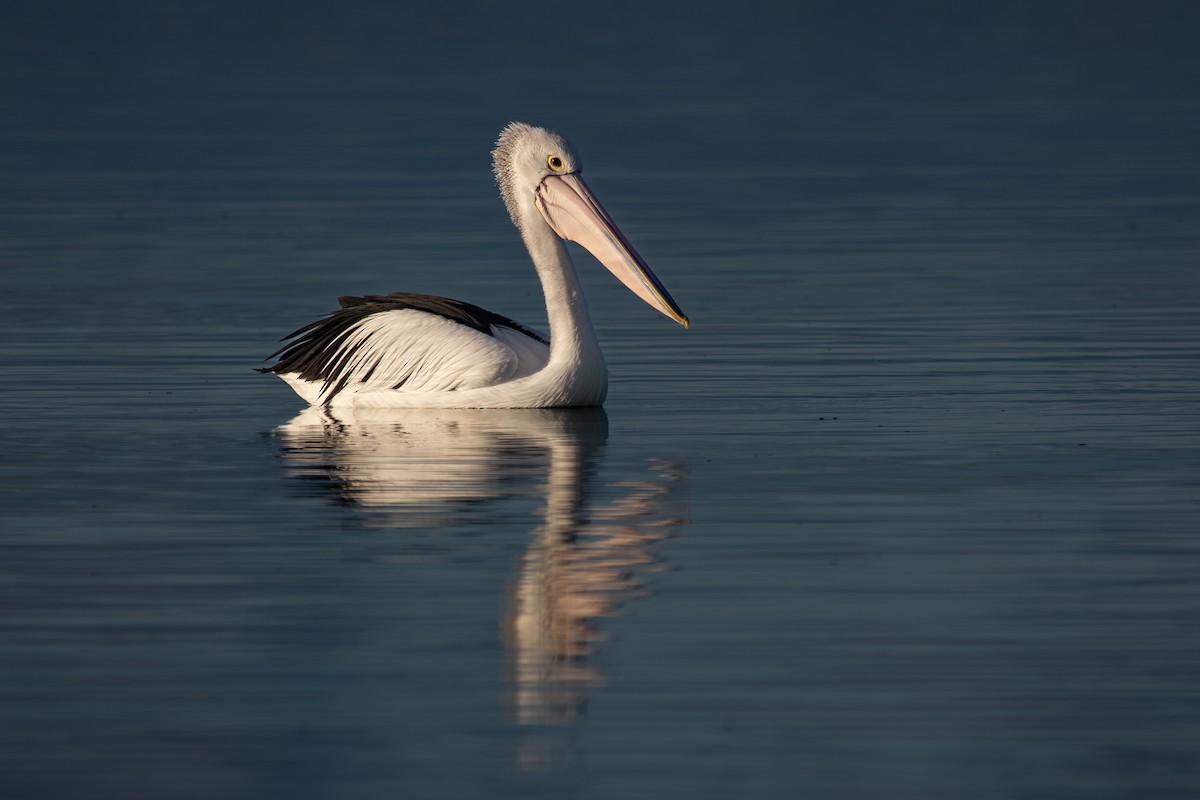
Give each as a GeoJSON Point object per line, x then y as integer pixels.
{"type": "Point", "coordinates": [407, 342]}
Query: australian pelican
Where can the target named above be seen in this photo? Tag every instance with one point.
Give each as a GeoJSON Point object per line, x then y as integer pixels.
{"type": "Point", "coordinates": [415, 350]}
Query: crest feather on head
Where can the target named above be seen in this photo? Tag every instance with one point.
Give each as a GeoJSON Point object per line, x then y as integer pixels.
{"type": "Point", "coordinates": [502, 164]}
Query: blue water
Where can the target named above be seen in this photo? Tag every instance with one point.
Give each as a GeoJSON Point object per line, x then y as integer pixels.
{"type": "Point", "coordinates": [908, 512]}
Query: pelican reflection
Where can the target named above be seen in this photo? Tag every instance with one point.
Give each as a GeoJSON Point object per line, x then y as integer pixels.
{"type": "Point", "coordinates": [437, 468]}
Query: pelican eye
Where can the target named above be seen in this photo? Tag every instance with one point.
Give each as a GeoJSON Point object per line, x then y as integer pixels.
{"type": "Point", "coordinates": [556, 163]}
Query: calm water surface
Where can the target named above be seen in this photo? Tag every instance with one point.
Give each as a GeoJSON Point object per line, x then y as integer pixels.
{"type": "Point", "coordinates": [909, 512]}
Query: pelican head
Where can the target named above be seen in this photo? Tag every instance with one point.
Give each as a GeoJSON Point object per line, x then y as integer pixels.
{"type": "Point", "coordinates": [541, 181]}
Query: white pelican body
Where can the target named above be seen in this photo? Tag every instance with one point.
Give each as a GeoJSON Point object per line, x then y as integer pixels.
{"type": "Point", "coordinates": [409, 350]}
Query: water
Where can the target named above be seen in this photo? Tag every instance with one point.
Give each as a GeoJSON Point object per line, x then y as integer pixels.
{"type": "Point", "coordinates": [909, 511]}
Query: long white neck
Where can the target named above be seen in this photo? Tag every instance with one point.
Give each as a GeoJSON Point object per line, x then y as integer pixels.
{"type": "Point", "coordinates": [571, 335]}
{"type": "Point", "coordinates": [573, 345]}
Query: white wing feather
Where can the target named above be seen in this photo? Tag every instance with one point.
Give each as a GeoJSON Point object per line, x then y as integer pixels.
{"type": "Point", "coordinates": [413, 351]}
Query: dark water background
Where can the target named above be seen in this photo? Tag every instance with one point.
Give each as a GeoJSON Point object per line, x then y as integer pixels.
{"type": "Point", "coordinates": [909, 512]}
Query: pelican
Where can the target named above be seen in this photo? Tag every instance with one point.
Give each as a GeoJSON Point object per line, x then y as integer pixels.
{"type": "Point", "coordinates": [415, 350]}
